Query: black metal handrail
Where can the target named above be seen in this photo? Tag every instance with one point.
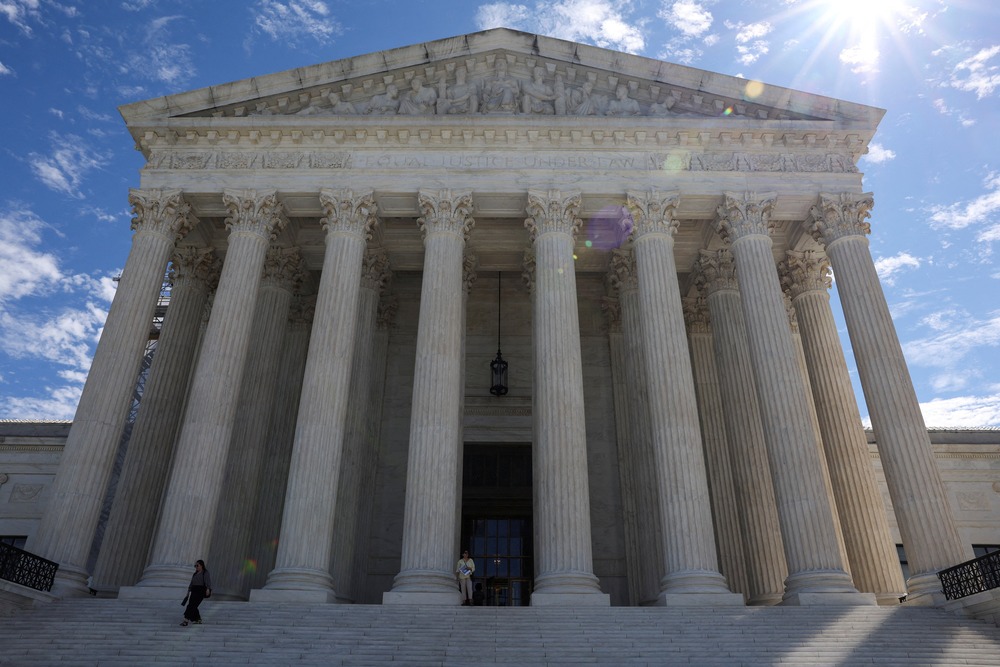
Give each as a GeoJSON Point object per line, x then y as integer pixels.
{"type": "Point", "coordinates": [26, 569]}
{"type": "Point", "coordinates": [971, 577]}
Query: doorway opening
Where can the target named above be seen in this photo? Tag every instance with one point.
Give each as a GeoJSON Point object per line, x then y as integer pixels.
{"type": "Point", "coordinates": [496, 522]}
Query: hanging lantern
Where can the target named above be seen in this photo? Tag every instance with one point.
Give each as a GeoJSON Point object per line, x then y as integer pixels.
{"type": "Point", "coordinates": [498, 366]}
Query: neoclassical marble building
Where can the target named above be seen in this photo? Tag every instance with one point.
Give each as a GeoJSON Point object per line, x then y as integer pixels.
{"type": "Point", "coordinates": [649, 244]}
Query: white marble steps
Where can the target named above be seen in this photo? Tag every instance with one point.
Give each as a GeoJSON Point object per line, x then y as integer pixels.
{"type": "Point", "coordinates": [95, 632]}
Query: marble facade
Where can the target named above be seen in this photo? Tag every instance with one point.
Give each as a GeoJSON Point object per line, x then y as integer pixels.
{"type": "Point", "coordinates": [349, 223]}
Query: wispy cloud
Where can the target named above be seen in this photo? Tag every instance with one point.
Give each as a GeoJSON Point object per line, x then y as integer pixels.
{"type": "Point", "coordinates": [64, 168]}
{"type": "Point", "coordinates": [27, 269]}
{"type": "Point", "coordinates": [291, 21]}
{"type": "Point", "coordinates": [877, 154]}
{"type": "Point", "coordinates": [942, 108]}
{"type": "Point", "coordinates": [862, 59]}
{"type": "Point", "coordinates": [982, 210]}
{"type": "Point", "coordinates": [963, 411]}
{"type": "Point", "coordinates": [162, 57]}
{"type": "Point", "coordinates": [888, 268]}
{"type": "Point", "coordinates": [600, 22]}
{"type": "Point", "coordinates": [18, 12]}
{"type": "Point", "coordinates": [949, 345]}
{"type": "Point", "coordinates": [137, 5]}
{"type": "Point", "coordinates": [979, 73]}
{"type": "Point", "coordinates": [750, 42]}
{"type": "Point", "coordinates": [5, 71]}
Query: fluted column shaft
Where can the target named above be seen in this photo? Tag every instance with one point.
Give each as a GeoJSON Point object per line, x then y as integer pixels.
{"type": "Point", "coordinates": [188, 513]}
{"type": "Point", "coordinates": [869, 544]}
{"type": "Point", "coordinates": [728, 535]}
{"type": "Point", "coordinates": [636, 424]}
{"type": "Point", "coordinates": [766, 571]}
{"type": "Point", "coordinates": [230, 538]}
{"type": "Point", "coordinates": [808, 526]}
{"type": "Point", "coordinates": [374, 275]}
{"type": "Point", "coordinates": [302, 563]}
{"type": "Point", "coordinates": [563, 550]}
{"type": "Point", "coordinates": [426, 569]}
{"type": "Point", "coordinates": [925, 519]}
{"type": "Point", "coordinates": [281, 434]}
{"type": "Point", "coordinates": [67, 528]}
{"type": "Point", "coordinates": [144, 473]}
{"type": "Point", "coordinates": [690, 557]}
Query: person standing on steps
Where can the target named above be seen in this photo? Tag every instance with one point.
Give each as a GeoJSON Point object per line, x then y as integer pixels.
{"type": "Point", "coordinates": [199, 589]}
{"type": "Point", "coordinates": [464, 569]}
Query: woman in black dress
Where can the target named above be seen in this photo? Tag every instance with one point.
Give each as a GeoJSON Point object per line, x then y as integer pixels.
{"type": "Point", "coordinates": [199, 589]}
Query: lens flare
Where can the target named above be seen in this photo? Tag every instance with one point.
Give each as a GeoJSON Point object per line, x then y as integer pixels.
{"type": "Point", "coordinates": [249, 566]}
{"type": "Point", "coordinates": [753, 89]}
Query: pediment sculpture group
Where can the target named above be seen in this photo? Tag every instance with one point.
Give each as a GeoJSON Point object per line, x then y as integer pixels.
{"type": "Point", "coordinates": [500, 93]}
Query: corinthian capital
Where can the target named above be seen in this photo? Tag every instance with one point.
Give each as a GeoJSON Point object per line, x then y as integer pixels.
{"type": "Point", "coordinates": [839, 215]}
{"type": "Point", "coordinates": [803, 272]}
{"type": "Point", "coordinates": [162, 212]}
{"type": "Point", "coordinates": [622, 276]}
{"type": "Point", "coordinates": [445, 211]}
{"type": "Point", "coordinates": [744, 214]}
{"type": "Point", "coordinates": [696, 315]}
{"type": "Point", "coordinates": [715, 271]}
{"type": "Point", "coordinates": [195, 266]}
{"type": "Point", "coordinates": [283, 268]}
{"type": "Point", "coordinates": [650, 212]}
{"type": "Point", "coordinates": [348, 211]}
{"type": "Point", "coordinates": [553, 211]}
{"type": "Point", "coordinates": [254, 212]}
{"type": "Point", "coordinates": [375, 271]}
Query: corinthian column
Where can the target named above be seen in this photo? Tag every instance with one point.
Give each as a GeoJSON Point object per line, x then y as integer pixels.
{"type": "Point", "coordinates": [715, 275]}
{"type": "Point", "coordinates": [67, 527]}
{"type": "Point", "coordinates": [563, 551]}
{"type": "Point", "coordinates": [426, 574]}
{"type": "Point", "coordinates": [352, 492]}
{"type": "Point", "coordinates": [234, 520]}
{"type": "Point", "coordinates": [302, 563]}
{"type": "Point", "coordinates": [193, 272]}
{"type": "Point", "coordinates": [691, 570]}
{"type": "Point", "coordinates": [817, 573]}
{"type": "Point", "coordinates": [188, 512]}
{"type": "Point", "coordinates": [925, 521]}
{"type": "Point", "coordinates": [634, 448]}
{"type": "Point", "coordinates": [870, 549]}
{"type": "Point", "coordinates": [728, 534]}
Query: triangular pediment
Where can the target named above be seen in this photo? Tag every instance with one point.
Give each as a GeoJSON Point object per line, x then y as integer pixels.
{"type": "Point", "coordinates": [502, 73]}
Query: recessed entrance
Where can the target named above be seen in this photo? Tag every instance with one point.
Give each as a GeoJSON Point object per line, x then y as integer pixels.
{"type": "Point", "coordinates": [496, 521]}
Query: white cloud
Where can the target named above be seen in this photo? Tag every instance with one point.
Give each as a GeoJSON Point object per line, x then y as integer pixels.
{"type": "Point", "coordinates": [962, 411]}
{"type": "Point", "coordinates": [681, 51]}
{"type": "Point", "coordinates": [749, 43]}
{"type": "Point", "coordinates": [19, 11]}
{"type": "Point", "coordinates": [948, 346]}
{"type": "Point", "coordinates": [688, 16]}
{"type": "Point", "coordinates": [290, 21]}
{"type": "Point", "coordinates": [889, 267]}
{"type": "Point", "coordinates": [861, 59]}
{"type": "Point", "coordinates": [984, 209]}
{"type": "Point", "coordinates": [877, 154]}
{"type": "Point", "coordinates": [5, 71]}
{"type": "Point", "coordinates": [64, 169]}
{"type": "Point", "coordinates": [137, 5]}
{"type": "Point", "coordinates": [160, 58]}
{"type": "Point", "coordinates": [942, 107]}
{"type": "Point", "coordinates": [60, 403]}
{"type": "Point", "coordinates": [600, 22]}
{"type": "Point", "coordinates": [977, 73]}
{"type": "Point", "coordinates": [27, 269]}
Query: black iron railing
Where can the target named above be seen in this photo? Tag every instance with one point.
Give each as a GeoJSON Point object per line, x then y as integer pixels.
{"type": "Point", "coordinates": [26, 569]}
{"type": "Point", "coordinates": [971, 577]}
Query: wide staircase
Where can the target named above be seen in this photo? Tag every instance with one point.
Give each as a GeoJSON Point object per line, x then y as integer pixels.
{"type": "Point", "coordinates": [97, 632]}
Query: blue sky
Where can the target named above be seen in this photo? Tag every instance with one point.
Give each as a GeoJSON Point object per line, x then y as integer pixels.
{"type": "Point", "coordinates": [934, 166]}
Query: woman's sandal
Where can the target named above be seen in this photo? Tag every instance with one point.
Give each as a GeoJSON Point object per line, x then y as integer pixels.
{"type": "Point", "coordinates": [184, 623]}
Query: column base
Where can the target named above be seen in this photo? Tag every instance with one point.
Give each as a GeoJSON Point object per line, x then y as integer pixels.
{"type": "Point", "coordinates": [829, 599]}
{"type": "Point", "coordinates": [159, 582]}
{"type": "Point", "coordinates": [925, 590]}
{"type": "Point", "coordinates": [70, 582]}
{"type": "Point", "coordinates": [668, 599]}
{"type": "Point", "coordinates": [296, 584]}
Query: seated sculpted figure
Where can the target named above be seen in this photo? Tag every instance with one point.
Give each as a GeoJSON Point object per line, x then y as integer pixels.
{"type": "Point", "coordinates": [536, 96]}
{"type": "Point", "coordinates": [340, 107]}
{"type": "Point", "coordinates": [461, 97]}
{"type": "Point", "coordinates": [583, 101]}
{"type": "Point", "coordinates": [501, 92]}
{"type": "Point", "coordinates": [419, 100]}
{"type": "Point", "coordinates": [663, 108]}
{"type": "Point", "coordinates": [623, 105]}
{"type": "Point", "coordinates": [386, 104]}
